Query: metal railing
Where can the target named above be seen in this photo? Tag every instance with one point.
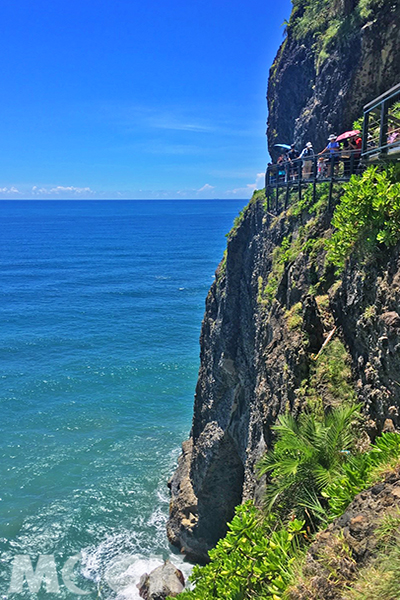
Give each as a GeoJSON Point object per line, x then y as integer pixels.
{"type": "Point", "coordinates": [294, 175]}
{"type": "Point", "coordinates": [380, 143]}
{"type": "Point", "coordinates": [381, 129]}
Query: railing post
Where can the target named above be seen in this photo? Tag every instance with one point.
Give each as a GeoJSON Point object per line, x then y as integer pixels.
{"type": "Point", "coordinates": [315, 172]}
{"type": "Point", "coordinates": [267, 182]}
{"type": "Point", "coordinates": [351, 163]}
{"type": "Point", "coordinates": [287, 195]}
{"type": "Point", "coordinates": [332, 165]}
{"type": "Point", "coordinates": [383, 135]}
{"type": "Point", "coordinates": [365, 132]}
{"type": "Point", "coordinates": [299, 174]}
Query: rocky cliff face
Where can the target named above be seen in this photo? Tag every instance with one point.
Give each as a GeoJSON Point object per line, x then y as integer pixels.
{"type": "Point", "coordinates": [322, 77]}
{"type": "Point", "coordinates": [258, 360]}
{"type": "Point", "coordinates": [274, 302]}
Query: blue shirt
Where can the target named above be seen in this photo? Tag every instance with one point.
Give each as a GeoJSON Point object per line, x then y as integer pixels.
{"type": "Point", "coordinates": [333, 147]}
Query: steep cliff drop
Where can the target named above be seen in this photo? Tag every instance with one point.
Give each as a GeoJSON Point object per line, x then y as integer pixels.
{"type": "Point", "coordinates": [264, 323]}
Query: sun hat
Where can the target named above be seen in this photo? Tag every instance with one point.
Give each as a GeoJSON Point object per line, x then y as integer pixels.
{"type": "Point", "coordinates": [332, 137]}
{"type": "Point", "coordinates": [309, 145]}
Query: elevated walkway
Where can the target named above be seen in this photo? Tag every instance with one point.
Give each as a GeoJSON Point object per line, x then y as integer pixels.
{"type": "Point", "coordinates": [380, 143]}
{"type": "Point", "coordinates": [381, 129]}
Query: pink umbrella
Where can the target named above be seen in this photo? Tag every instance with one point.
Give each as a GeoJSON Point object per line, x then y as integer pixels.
{"type": "Point", "coordinates": [347, 135]}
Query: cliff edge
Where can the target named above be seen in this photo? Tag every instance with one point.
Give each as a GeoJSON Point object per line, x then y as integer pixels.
{"type": "Point", "coordinates": [275, 300]}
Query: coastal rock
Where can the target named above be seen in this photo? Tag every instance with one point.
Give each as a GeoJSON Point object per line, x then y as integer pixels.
{"type": "Point", "coordinates": [166, 580]}
{"type": "Point", "coordinates": [255, 356]}
{"type": "Point", "coordinates": [263, 328]}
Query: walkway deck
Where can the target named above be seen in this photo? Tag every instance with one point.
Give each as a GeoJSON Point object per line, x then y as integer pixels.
{"type": "Point", "coordinates": [381, 143]}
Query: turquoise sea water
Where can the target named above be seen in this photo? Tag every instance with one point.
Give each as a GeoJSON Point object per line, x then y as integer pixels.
{"type": "Point", "coordinates": [100, 312]}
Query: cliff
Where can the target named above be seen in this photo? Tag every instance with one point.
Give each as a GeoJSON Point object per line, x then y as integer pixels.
{"type": "Point", "coordinates": [275, 299]}
{"type": "Point", "coordinates": [337, 56]}
{"type": "Point", "coordinates": [258, 359]}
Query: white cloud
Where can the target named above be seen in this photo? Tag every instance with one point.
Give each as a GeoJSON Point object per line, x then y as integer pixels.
{"type": "Point", "coordinates": [60, 189]}
{"type": "Point", "coordinates": [249, 187]}
{"type": "Point", "coordinates": [69, 190]}
{"type": "Point", "coordinates": [9, 190]}
{"type": "Point", "coordinates": [206, 188]}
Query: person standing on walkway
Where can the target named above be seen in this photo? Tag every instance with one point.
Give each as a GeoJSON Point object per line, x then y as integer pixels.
{"type": "Point", "coordinates": [333, 148]}
{"type": "Point", "coordinates": [307, 155]}
{"type": "Point", "coordinates": [293, 155]}
{"type": "Point", "coordinates": [355, 143]}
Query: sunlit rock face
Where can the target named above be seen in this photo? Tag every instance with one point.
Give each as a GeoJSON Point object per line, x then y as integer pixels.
{"type": "Point", "coordinates": [316, 88]}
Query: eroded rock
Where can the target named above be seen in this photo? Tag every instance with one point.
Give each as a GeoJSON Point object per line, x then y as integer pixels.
{"type": "Point", "coordinates": [166, 580]}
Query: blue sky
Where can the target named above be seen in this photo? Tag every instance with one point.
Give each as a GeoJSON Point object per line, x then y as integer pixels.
{"type": "Point", "coordinates": [128, 99]}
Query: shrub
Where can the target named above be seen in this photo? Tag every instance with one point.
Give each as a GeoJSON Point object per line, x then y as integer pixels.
{"type": "Point", "coordinates": [367, 215]}
{"type": "Point", "coordinates": [295, 316]}
{"type": "Point", "coordinates": [308, 455]}
{"type": "Point", "coordinates": [362, 471]}
{"type": "Point", "coordinates": [253, 560]}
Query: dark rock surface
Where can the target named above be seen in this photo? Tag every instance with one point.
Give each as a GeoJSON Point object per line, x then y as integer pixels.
{"type": "Point", "coordinates": [163, 581]}
{"type": "Point", "coordinates": [253, 364]}
{"type": "Point", "coordinates": [307, 102]}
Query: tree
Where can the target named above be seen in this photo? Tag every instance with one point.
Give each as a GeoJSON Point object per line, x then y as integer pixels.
{"type": "Point", "coordinates": [308, 455]}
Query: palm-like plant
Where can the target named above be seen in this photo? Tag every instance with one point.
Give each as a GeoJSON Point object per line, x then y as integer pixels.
{"type": "Point", "coordinates": [308, 455]}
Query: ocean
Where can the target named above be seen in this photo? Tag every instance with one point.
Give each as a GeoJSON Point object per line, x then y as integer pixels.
{"type": "Point", "coordinates": [101, 305]}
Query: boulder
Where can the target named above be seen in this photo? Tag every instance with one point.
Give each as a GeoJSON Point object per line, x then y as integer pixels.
{"type": "Point", "coordinates": [163, 581]}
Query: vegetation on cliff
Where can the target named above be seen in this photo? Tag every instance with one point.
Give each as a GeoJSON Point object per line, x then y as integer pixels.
{"type": "Point", "coordinates": [367, 216]}
{"type": "Point", "coordinates": [329, 22]}
{"type": "Point", "coordinates": [321, 460]}
{"type": "Point", "coordinates": [262, 553]}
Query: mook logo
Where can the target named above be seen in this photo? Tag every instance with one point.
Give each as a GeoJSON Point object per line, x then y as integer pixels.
{"type": "Point", "coordinates": [45, 574]}
{"type": "Point", "coordinates": [47, 577]}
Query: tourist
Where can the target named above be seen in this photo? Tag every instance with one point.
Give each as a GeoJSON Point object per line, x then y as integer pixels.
{"type": "Point", "coordinates": [282, 160]}
{"type": "Point", "coordinates": [293, 155]}
{"type": "Point", "coordinates": [333, 148]}
{"type": "Point", "coordinates": [321, 168]}
{"type": "Point", "coordinates": [307, 154]}
{"type": "Point", "coordinates": [355, 143]}
{"type": "Point", "coordinates": [272, 172]}
{"type": "Point", "coordinates": [346, 157]}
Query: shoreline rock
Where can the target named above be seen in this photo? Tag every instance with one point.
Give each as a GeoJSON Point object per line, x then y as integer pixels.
{"type": "Point", "coordinates": [166, 580]}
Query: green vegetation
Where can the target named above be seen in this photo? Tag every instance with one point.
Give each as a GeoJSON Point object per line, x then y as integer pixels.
{"type": "Point", "coordinates": [307, 457]}
{"type": "Point", "coordinates": [285, 255]}
{"type": "Point", "coordinates": [307, 204]}
{"type": "Point", "coordinates": [257, 195]}
{"type": "Point", "coordinates": [367, 216]}
{"type": "Point", "coordinates": [329, 380]}
{"type": "Point", "coordinates": [317, 464]}
{"type": "Point", "coordinates": [335, 561]}
{"type": "Point", "coordinates": [316, 471]}
{"type": "Point", "coordinates": [282, 255]}
{"type": "Point", "coordinates": [327, 22]}
{"type": "Point", "coordinates": [370, 312]}
{"type": "Point", "coordinates": [380, 581]}
{"type": "Point", "coordinates": [362, 470]}
{"type": "Point", "coordinates": [252, 561]}
{"type": "Point", "coordinates": [295, 316]}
